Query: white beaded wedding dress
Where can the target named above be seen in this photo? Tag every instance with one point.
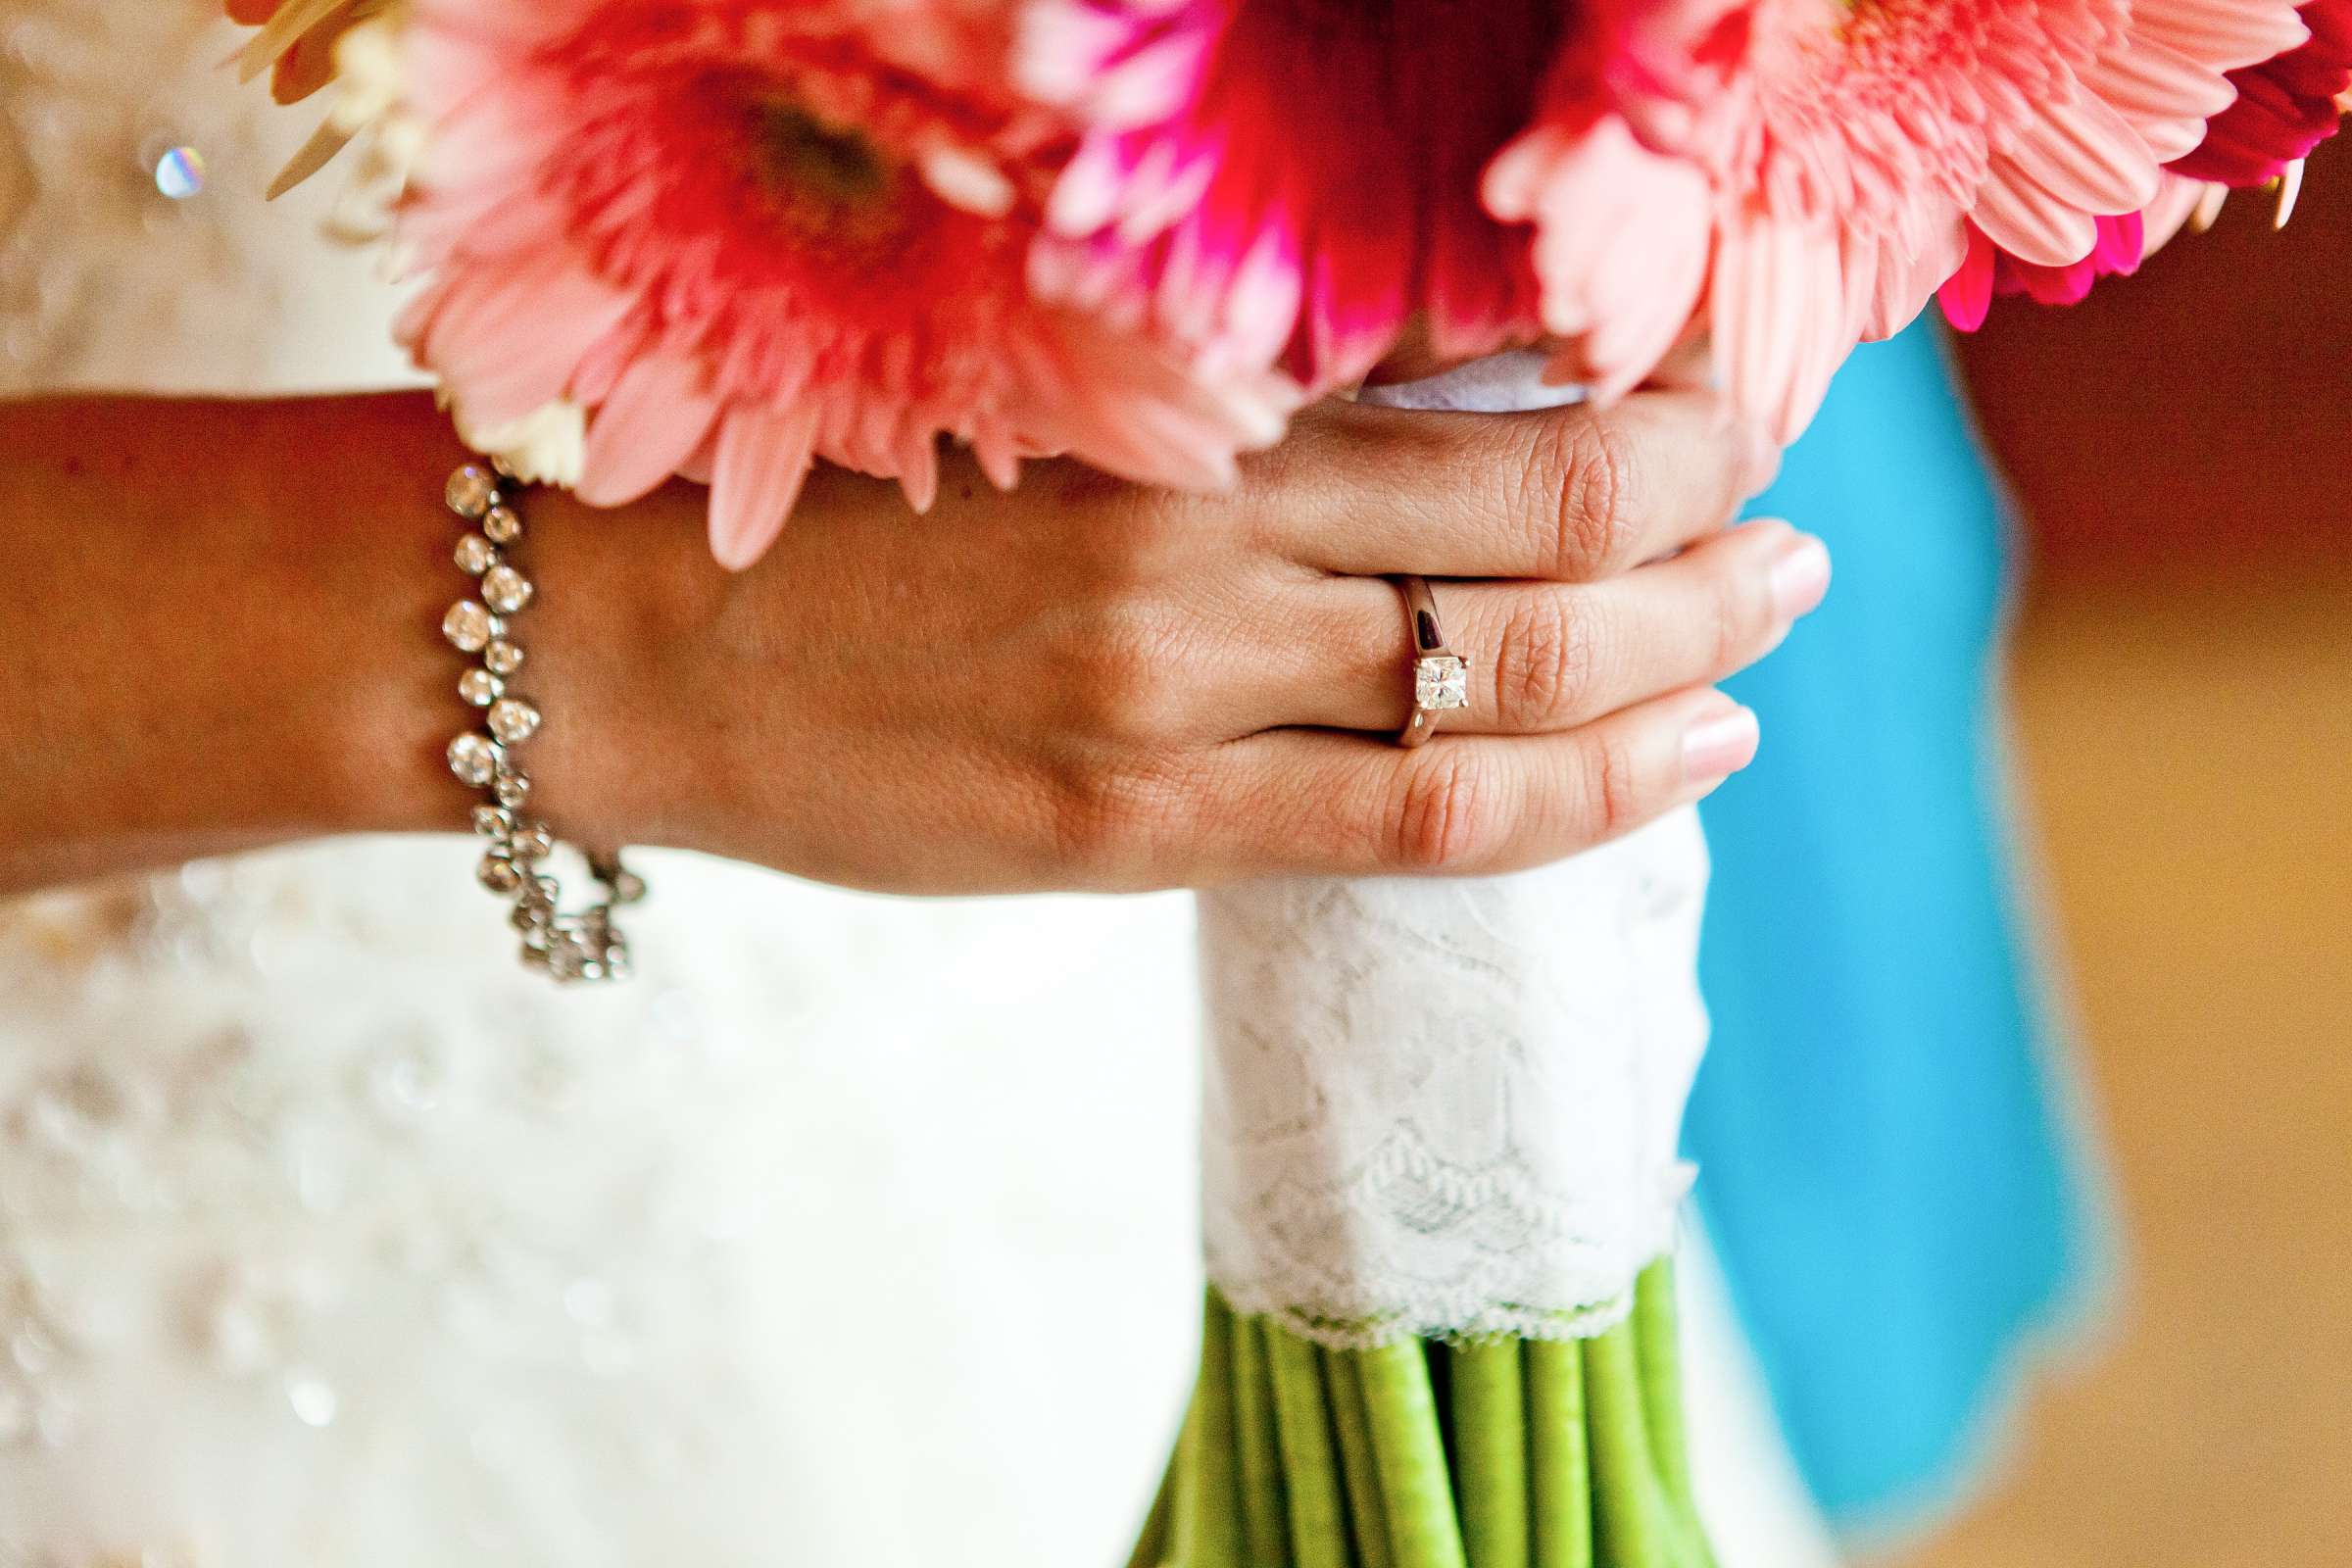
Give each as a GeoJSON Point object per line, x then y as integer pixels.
{"type": "Point", "coordinates": [854, 1231]}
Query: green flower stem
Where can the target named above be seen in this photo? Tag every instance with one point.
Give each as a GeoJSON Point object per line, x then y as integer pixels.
{"type": "Point", "coordinates": [1367, 1516]}
{"type": "Point", "coordinates": [1490, 1438]}
{"type": "Point", "coordinates": [1658, 1350]}
{"type": "Point", "coordinates": [1558, 1455]}
{"type": "Point", "coordinates": [1159, 1525]}
{"type": "Point", "coordinates": [1310, 1461]}
{"type": "Point", "coordinates": [1208, 1496]}
{"type": "Point", "coordinates": [1414, 1487]}
{"type": "Point", "coordinates": [1630, 1521]}
{"type": "Point", "coordinates": [1502, 1454]}
{"type": "Point", "coordinates": [1265, 1517]}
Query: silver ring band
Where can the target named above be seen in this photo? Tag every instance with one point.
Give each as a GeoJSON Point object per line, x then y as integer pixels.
{"type": "Point", "coordinates": [1441, 676]}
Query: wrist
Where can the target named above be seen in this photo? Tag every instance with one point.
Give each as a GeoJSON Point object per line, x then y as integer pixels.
{"type": "Point", "coordinates": [369, 556]}
{"type": "Point", "coordinates": [614, 630]}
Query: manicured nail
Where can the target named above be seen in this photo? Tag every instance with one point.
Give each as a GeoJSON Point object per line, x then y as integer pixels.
{"type": "Point", "coordinates": [1800, 577]}
{"type": "Point", "coordinates": [1718, 746]}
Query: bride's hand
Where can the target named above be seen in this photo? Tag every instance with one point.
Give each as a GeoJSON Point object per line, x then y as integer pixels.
{"type": "Point", "coordinates": [217, 621]}
{"type": "Point", "coordinates": [1084, 684]}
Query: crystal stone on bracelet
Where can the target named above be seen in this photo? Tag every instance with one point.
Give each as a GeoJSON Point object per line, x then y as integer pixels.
{"type": "Point", "coordinates": [514, 720]}
{"type": "Point", "coordinates": [506, 590]}
{"type": "Point", "coordinates": [473, 760]}
{"type": "Point", "coordinates": [569, 948]}
{"type": "Point", "coordinates": [472, 490]}
{"type": "Point", "coordinates": [468, 626]}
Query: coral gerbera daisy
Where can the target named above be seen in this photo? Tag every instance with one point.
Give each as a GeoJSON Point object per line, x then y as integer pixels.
{"type": "Point", "coordinates": [1816, 190]}
{"type": "Point", "coordinates": [748, 233]}
{"type": "Point", "coordinates": [1290, 181]}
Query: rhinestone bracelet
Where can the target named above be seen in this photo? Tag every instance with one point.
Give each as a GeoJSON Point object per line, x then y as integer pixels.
{"type": "Point", "coordinates": [568, 947]}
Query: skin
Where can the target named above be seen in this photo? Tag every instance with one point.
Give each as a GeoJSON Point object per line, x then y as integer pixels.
{"type": "Point", "coordinates": [217, 621]}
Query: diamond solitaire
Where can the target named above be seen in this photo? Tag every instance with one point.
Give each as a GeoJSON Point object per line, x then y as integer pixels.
{"type": "Point", "coordinates": [1440, 680]}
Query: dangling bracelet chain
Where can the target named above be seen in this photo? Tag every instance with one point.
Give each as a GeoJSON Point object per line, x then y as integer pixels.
{"type": "Point", "coordinates": [568, 947]}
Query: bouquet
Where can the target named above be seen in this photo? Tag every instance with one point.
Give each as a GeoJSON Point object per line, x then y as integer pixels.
{"type": "Point", "coordinates": [729, 238]}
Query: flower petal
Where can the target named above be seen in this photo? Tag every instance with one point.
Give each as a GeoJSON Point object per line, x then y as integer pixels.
{"type": "Point", "coordinates": [763, 458]}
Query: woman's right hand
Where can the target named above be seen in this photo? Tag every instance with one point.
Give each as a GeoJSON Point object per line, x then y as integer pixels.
{"type": "Point", "coordinates": [1086, 684]}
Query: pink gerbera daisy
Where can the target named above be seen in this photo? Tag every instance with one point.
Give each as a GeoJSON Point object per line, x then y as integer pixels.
{"type": "Point", "coordinates": [1290, 181]}
{"type": "Point", "coordinates": [2284, 107]}
{"type": "Point", "coordinates": [748, 233]}
{"type": "Point", "coordinates": [1817, 191]}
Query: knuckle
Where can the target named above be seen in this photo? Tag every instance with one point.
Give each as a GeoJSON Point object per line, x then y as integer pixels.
{"type": "Point", "coordinates": [1596, 496]}
{"type": "Point", "coordinates": [1618, 801]}
{"type": "Point", "coordinates": [1123, 685]}
{"type": "Point", "coordinates": [1450, 813]}
{"type": "Point", "coordinates": [1545, 663]}
{"type": "Point", "coordinates": [1114, 821]}
{"type": "Point", "coordinates": [1743, 619]}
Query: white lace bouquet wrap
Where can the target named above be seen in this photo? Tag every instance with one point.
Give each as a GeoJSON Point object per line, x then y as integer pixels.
{"type": "Point", "coordinates": [1447, 1108]}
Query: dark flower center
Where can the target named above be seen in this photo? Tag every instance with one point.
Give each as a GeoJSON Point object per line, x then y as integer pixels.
{"type": "Point", "coordinates": [791, 151]}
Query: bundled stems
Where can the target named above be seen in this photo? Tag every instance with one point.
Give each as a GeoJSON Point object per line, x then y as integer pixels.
{"type": "Point", "coordinates": [1265, 1511]}
{"type": "Point", "coordinates": [1367, 1514]}
{"type": "Point", "coordinates": [1492, 1450]}
{"type": "Point", "coordinates": [1657, 1345]}
{"type": "Point", "coordinates": [1311, 1457]}
{"type": "Point", "coordinates": [1209, 1515]}
{"type": "Point", "coordinates": [1415, 1487]}
{"type": "Point", "coordinates": [1630, 1527]}
{"type": "Point", "coordinates": [1558, 1455]}
{"type": "Point", "coordinates": [1501, 1454]}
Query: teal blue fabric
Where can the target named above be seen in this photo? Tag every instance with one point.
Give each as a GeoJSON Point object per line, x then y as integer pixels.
{"type": "Point", "coordinates": [1885, 1168]}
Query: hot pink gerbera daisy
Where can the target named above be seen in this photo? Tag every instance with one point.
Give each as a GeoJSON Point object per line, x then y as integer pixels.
{"type": "Point", "coordinates": [1987, 272]}
{"type": "Point", "coordinates": [1817, 190]}
{"type": "Point", "coordinates": [2283, 108]}
{"type": "Point", "coordinates": [1290, 181]}
{"type": "Point", "coordinates": [748, 233]}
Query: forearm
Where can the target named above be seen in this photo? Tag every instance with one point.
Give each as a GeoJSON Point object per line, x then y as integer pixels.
{"type": "Point", "coordinates": [217, 625]}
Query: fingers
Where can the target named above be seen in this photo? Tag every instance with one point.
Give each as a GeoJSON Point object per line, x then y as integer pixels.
{"type": "Point", "coordinates": [1314, 803]}
{"type": "Point", "coordinates": [1571, 495]}
{"type": "Point", "coordinates": [1542, 657]}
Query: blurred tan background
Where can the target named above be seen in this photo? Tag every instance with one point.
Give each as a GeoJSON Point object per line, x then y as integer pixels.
{"type": "Point", "coordinates": [2182, 447]}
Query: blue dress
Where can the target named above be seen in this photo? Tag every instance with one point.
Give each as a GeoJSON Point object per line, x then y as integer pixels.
{"type": "Point", "coordinates": [1885, 1161]}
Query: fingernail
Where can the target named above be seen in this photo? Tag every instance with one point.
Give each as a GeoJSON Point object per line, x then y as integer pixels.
{"type": "Point", "coordinates": [1800, 577]}
{"type": "Point", "coordinates": [1763, 463]}
{"type": "Point", "coordinates": [1718, 746]}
